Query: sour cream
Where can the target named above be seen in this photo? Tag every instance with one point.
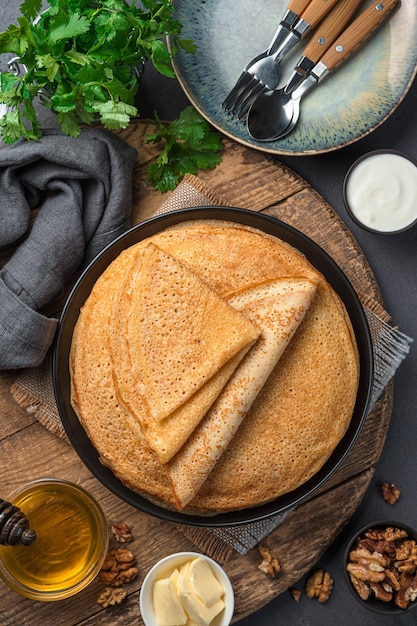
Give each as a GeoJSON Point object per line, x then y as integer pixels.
{"type": "Point", "coordinates": [381, 192]}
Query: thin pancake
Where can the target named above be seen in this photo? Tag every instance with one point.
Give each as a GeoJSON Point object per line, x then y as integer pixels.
{"type": "Point", "coordinates": [298, 418]}
{"type": "Point", "coordinates": [231, 257]}
{"type": "Point", "coordinates": [93, 396]}
{"type": "Point", "coordinates": [278, 308]}
{"type": "Point", "coordinates": [164, 437]}
{"type": "Point", "coordinates": [179, 332]}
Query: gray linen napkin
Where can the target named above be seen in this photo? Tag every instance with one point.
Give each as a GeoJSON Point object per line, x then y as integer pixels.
{"type": "Point", "coordinates": [83, 188]}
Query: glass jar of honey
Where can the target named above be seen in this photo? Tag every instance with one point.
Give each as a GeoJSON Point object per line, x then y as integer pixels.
{"type": "Point", "coordinates": [71, 541]}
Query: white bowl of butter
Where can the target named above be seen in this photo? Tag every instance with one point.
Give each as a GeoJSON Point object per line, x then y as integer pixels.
{"type": "Point", "coordinates": [184, 589]}
{"type": "Point", "coordinates": [380, 191]}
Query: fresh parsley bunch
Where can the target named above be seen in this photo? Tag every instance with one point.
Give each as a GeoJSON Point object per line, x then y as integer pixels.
{"type": "Point", "coordinates": [189, 144]}
{"type": "Point", "coordinates": [80, 58]}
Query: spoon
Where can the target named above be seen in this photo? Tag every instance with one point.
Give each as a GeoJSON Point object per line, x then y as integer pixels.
{"type": "Point", "coordinates": [275, 113]}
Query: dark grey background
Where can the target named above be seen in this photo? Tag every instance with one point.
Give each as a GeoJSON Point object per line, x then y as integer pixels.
{"type": "Point", "coordinates": [394, 262]}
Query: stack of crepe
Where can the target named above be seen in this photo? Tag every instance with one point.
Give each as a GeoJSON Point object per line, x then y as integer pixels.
{"type": "Point", "coordinates": [213, 368]}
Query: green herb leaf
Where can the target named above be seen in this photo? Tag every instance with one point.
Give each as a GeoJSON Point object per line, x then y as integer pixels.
{"type": "Point", "coordinates": [10, 126]}
{"type": "Point", "coordinates": [161, 59]}
{"type": "Point", "coordinates": [31, 8]}
{"type": "Point", "coordinates": [114, 115]}
{"type": "Point", "coordinates": [64, 28]}
{"type": "Point", "coordinates": [190, 144]}
{"type": "Point", "coordinates": [50, 64]}
{"type": "Point", "coordinates": [69, 123]}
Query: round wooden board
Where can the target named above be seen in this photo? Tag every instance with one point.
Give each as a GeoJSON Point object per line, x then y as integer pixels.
{"type": "Point", "coordinates": [251, 180]}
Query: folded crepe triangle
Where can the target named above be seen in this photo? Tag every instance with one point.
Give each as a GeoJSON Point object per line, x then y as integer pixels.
{"type": "Point", "coordinates": [166, 437]}
{"type": "Point", "coordinates": [277, 307]}
{"type": "Point", "coordinates": [174, 344]}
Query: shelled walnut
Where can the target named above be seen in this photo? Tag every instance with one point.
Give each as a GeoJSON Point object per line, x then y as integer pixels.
{"type": "Point", "coordinates": [383, 564]}
{"type": "Point", "coordinates": [270, 564]}
{"type": "Point", "coordinates": [390, 493]}
{"type": "Point", "coordinates": [119, 567]}
{"type": "Point", "coordinates": [122, 533]}
{"type": "Point", "coordinates": [296, 594]}
{"type": "Point", "coordinates": [111, 596]}
{"type": "Point", "coordinates": [319, 585]}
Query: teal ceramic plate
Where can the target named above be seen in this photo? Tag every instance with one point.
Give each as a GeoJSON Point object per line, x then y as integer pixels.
{"type": "Point", "coordinates": [345, 107]}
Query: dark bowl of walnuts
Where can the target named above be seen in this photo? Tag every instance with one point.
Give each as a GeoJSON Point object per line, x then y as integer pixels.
{"type": "Point", "coordinates": [381, 567]}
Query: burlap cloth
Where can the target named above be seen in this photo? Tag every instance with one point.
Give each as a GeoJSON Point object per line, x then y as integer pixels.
{"type": "Point", "coordinates": [34, 388]}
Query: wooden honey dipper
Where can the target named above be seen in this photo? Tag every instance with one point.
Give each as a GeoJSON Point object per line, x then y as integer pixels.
{"type": "Point", "coordinates": [14, 526]}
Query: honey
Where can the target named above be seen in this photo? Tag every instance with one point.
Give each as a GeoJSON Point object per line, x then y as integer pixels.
{"type": "Point", "coordinates": [71, 541]}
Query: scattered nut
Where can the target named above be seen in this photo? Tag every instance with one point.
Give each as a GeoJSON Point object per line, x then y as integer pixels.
{"type": "Point", "coordinates": [121, 533]}
{"type": "Point", "coordinates": [270, 564]}
{"type": "Point", "coordinates": [383, 565]}
{"type": "Point", "coordinates": [118, 567]}
{"type": "Point", "coordinates": [296, 594]}
{"type": "Point", "coordinates": [111, 596]}
{"type": "Point", "coordinates": [319, 585]}
{"type": "Point", "coordinates": [390, 493]}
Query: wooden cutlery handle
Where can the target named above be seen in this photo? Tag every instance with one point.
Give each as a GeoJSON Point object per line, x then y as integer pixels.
{"type": "Point", "coordinates": [298, 6]}
{"type": "Point", "coordinates": [315, 12]}
{"type": "Point", "coordinates": [330, 28]}
{"type": "Point", "coordinates": [360, 30]}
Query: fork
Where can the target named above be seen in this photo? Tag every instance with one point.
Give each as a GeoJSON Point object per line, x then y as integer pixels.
{"type": "Point", "coordinates": [262, 72]}
{"type": "Point", "coordinates": [261, 63]}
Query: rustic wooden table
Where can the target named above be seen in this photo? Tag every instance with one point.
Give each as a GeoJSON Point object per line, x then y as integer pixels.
{"type": "Point", "coordinates": [28, 450]}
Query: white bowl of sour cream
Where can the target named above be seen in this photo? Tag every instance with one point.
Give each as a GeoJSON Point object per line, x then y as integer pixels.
{"type": "Point", "coordinates": [186, 587]}
{"type": "Point", "coordinates": [380, 191]}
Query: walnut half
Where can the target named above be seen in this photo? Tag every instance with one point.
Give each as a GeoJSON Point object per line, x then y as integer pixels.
{"type": "Point", "coordinates": [122, 533]}
{"type": "Point", "coordinates": [119, 567]}
{"type": "Point", "coordinates": [111, 596]}
{"type": "Point", "coordinates": [270, 564]}
{"type": "Point", "coordinates": [390, 493]}
{"type": "Point", "coordinates": [319, 585]}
